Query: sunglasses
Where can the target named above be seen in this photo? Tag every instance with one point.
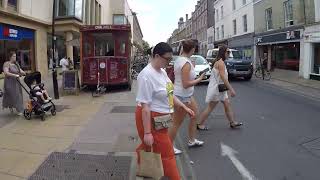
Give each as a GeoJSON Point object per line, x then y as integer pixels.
{"type": "Point", "coordinates": [167, 58]}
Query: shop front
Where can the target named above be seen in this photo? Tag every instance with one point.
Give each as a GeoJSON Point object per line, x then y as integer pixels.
{"type": "Point", "coordinates": [310, 50]}
{"type": "Point", "coordinates": [244, 44]}
{"type": "Point", "coordinates": [20, 40]}
{"type": "Point", "coordinates": [280, 50]}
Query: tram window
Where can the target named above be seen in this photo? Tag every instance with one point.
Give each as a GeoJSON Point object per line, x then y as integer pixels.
{"type": "Point", "coordinates": [123, 47]}
{"type": "Point", "coordinates": [104, 44]}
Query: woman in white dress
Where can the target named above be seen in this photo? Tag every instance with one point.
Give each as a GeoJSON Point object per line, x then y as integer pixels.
{"type": "Point", "coordinates": [219, 75]}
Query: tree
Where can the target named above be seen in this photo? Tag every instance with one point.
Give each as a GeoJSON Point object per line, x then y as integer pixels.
{"type": "Point", "coordinates": [145, 46]}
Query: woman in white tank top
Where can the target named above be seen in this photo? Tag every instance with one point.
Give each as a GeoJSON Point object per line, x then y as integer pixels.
{"type": "Point", "coordinates": [218, 76]}
{"type": "Point", "coordinates": [183, 90]}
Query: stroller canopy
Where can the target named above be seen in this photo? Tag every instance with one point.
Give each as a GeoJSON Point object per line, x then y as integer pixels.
{"type": "Point", "coordinates": [35, 76]}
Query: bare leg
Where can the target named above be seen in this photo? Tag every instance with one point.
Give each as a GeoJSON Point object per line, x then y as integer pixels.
{"type": "Point", "coordinates": [205, 114]}
{"type": "Point", "coordinates": [193, 121]}
{"type": "Point", "coordinates": [46, 94]}
{"type": "Point", "coordinates": [178, 117]}
{"type": "Point", "coordinates": [228, 110]}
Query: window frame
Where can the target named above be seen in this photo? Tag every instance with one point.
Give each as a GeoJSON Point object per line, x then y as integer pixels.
{"type": "Point", "coordinates": [245, 23]}
{"type": "Point", "coordinates": [221, 9]}
{"type": "Point", "coordinates": [12, 7]}
{"type": "Point", "coordinates": [287, 6]}
{"type": "Point", "coordinates": [73, 14]}
{"type": "Point", "coordinates": [222, 31]}
{"type": "Point", "coordinates": [269, 23]}
{"type": "Point", "coordinates": [234, 5]}
{"type": "Point", "coordinates": [218, 33]}
{"type": "Point", "coordinates": [124, 19]}
{"type": "Point", "coordinates": [234, 22]}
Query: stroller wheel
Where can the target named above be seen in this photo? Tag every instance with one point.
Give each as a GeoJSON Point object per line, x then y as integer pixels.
{"type": "Point", "coordinates": [27, 114]}
{"type": "Point", "coordinates": [53, 111]}
{"type": "Point", "coordinates": [42, 117]}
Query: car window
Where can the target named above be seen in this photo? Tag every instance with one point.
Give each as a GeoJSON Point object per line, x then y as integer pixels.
{"type": "Point", "coordinates": [199, 60]}
{"type": "Point", "coordinates": [236, 55]}
{"type": "Point", "coordinates": [214, 54]}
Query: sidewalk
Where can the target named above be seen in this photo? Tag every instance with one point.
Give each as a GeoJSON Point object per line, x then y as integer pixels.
{"type": "Point", "coordinates": [83, 124]}
{"type": "Point", "coordinates": [291, 81]}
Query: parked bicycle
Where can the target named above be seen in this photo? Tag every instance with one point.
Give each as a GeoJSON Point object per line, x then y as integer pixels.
{"type": "Point", "coordinates": [262, 73]}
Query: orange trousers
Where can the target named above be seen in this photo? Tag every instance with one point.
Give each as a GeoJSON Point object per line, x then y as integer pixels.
{"type": "Point", "coordinates": [162, 145]}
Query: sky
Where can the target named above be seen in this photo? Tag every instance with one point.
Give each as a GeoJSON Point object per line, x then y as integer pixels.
{"type": "Point", "coordinates": [158, 18]}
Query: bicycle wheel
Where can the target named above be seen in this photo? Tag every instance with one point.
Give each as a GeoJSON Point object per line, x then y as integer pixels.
{"type": "Point", "coordinates": [258, 73]}
{"type": "Point", "coordinates": [267, 75]}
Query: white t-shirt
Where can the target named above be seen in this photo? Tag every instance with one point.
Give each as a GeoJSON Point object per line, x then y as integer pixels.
{"type": "Point", "coordinates": [156, 89]}
{"type": "Point", "coordinates": [64, 63]}
{"type": "Point", "coordinates": [179, 90]}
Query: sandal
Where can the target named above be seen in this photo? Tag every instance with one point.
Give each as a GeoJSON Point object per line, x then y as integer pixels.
{"type": "Point", "coordinates": [234, 125]}
{"type": "Point", "coordinates": [205, 128]}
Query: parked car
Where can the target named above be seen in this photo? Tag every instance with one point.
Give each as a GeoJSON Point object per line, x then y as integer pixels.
{"type": "Point", "coordinates": [198, 61]}
{"type": "Point", "coordinates": [237, 66]}
{"type": "Point", "coordinates": [201, 64]}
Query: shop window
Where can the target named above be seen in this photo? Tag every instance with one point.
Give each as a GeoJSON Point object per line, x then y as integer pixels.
{"type": "Point", "coordinates": [104, 44]}
{"type": "Point", "coordinates": [12, 4]}
{"type": "Point", "coordinates": [268, 17]}
{"type": "Point", "coordinates": [287, 56]}
{"type": "Point", "coordinates": [316, 67]}
{"type": "Point", "coordinates": [288, 13]}
{"type": "Point", "coordinates": [123, 47]}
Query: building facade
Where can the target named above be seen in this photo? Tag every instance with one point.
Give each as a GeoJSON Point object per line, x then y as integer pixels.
{"type": "Point", "coordinates": [25, 27]}
{"type": "Point", "coordinates": [310, 48]}
{"type": "Point", "coordinates": [200, 25]}
{"type": "Point", "coordinates": [234, 25]}
{"type": "Point", "coordinates": [211, 24]}
{"type": "Point", "coordinates": [279, 28]}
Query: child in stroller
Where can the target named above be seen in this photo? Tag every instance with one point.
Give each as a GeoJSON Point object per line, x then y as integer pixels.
{"type": "Point", "coordinates": [39, 91]}
{"type": "Point", "coordinates": [40, 102]}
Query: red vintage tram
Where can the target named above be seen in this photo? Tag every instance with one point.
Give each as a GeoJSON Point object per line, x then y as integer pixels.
{"type": "Point", "coordinates": [105, 55]}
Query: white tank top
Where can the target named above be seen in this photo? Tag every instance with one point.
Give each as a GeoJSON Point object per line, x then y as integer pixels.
{"type": "Point", "coordinates": [179, 90]}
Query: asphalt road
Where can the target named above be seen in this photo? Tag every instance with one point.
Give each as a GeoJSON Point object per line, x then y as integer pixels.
{"type": "Point", "coordinates": [279, 139]}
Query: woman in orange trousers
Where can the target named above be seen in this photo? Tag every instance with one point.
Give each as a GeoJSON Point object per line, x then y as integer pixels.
{"type": "Point", "coordinates": [155, 98]}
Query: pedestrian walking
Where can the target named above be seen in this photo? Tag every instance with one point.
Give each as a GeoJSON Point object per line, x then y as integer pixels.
{"type": "Point", "coordinates": [185, 80]}
{"type": "Point", "coordinates": [64, 63]}
{"type": "Point", "coordinates": [155, 100]}
{"type": "Point", "coordinates": [12, 97]}
{"type": "Point", "coordinates": [218, 91]}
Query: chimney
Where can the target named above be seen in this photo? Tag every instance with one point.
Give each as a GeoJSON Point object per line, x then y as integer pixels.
{"type": "Point", "coordinates": [187, 17]}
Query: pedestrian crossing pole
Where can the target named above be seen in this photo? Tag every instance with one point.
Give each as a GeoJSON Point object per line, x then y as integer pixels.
{"type": "Point", "coordinates": [54, 71]}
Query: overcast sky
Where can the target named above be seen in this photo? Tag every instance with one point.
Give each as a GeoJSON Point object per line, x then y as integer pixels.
{"type": "Point", "coordinates": [158, 18]}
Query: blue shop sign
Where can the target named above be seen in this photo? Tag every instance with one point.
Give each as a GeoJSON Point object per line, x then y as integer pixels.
{"type": "Point", "coordinates": [9, 32]}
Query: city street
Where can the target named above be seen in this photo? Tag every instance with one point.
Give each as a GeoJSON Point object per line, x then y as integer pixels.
{"type": "Point", "coordinates": [279, 139]}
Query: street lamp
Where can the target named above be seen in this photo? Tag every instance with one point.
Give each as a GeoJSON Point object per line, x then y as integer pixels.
{"type": "Point", "coordinates": [53, 39]}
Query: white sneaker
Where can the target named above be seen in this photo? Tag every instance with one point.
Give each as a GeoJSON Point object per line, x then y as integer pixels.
{"type": "Point", "coordinates": [46, 101]}
{"type": "Point", "coordinates": [195, 143]}
{"type": "Point", "coordinates": [176, 151]}
{"type": "Point", "coordinates": [20, 114]}
{"type": "Point", "coordinates": [49, 98]}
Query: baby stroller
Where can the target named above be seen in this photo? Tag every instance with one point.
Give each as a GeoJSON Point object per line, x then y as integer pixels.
{"type": "Point", "coordinates": [35, 104]}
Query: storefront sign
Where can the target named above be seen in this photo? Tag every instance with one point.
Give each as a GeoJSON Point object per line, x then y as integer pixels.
{"type": "Point", "coordinates": [290, 35]}
{"type": "Point", "coordinates": [9, 32]}
{"type": "Point", "coordinates": [280, 37]}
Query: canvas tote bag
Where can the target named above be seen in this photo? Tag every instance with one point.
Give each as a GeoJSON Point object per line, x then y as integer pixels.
{"type": "Point", "coordinates": [150, 165]}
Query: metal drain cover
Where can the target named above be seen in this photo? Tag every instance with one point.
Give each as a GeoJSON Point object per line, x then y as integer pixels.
{"type": "Point", "coordinates": [123, 109]}
{"type": "Point", "coordinates": [70, 166]}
